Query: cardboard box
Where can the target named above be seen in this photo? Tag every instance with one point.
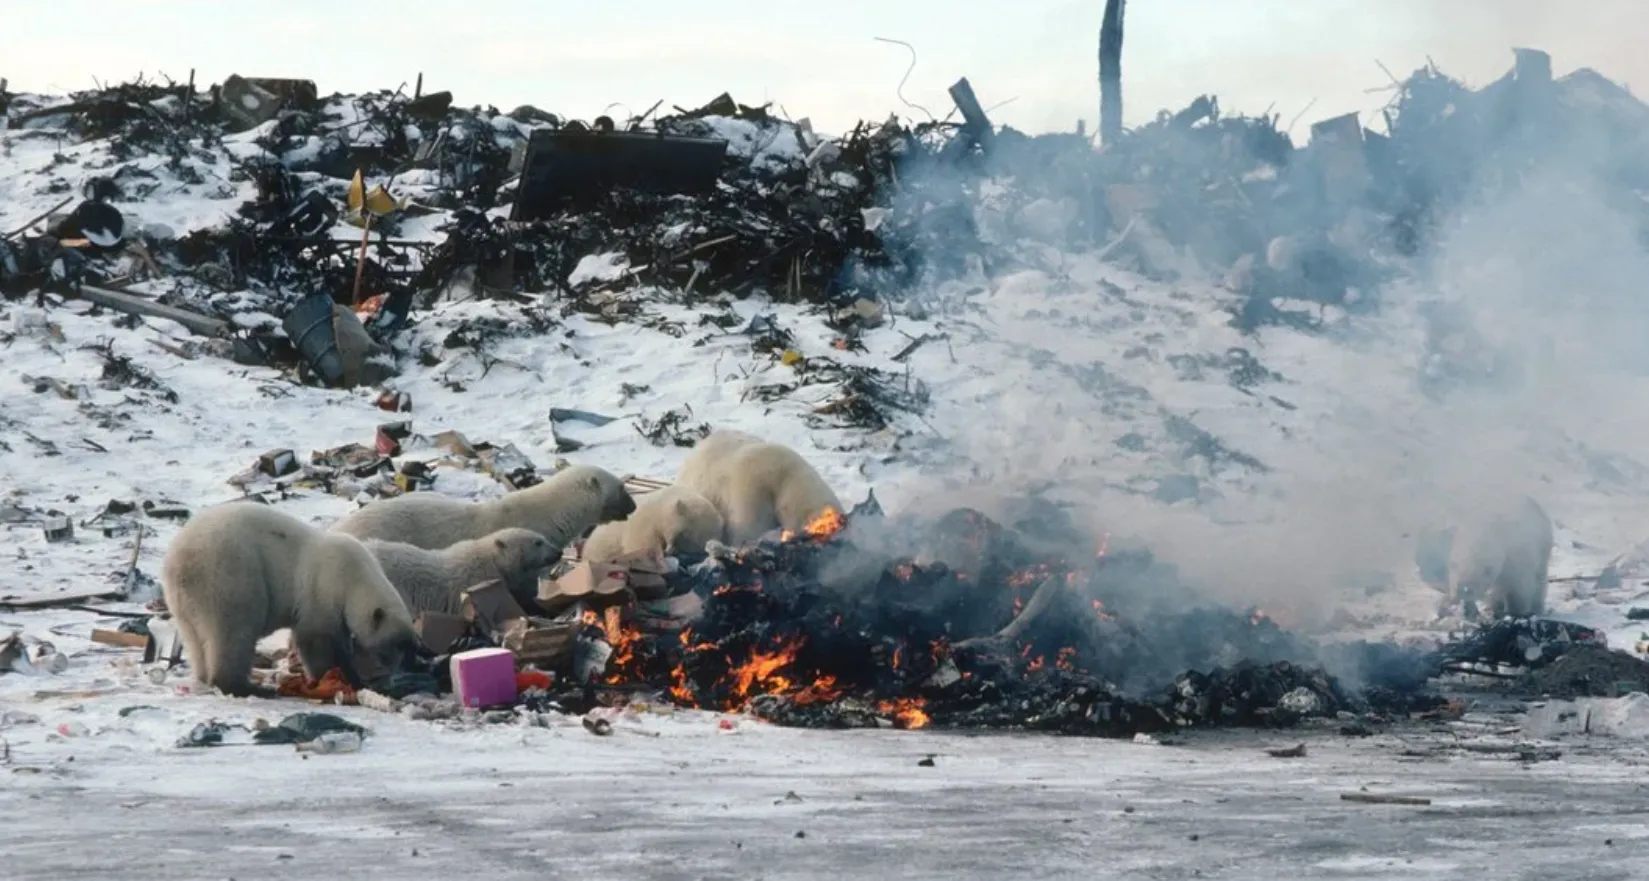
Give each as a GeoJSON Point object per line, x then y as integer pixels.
{"type": "Point", "coordinates": [539, 641]}
{"type": "Point", "coordinates": [489, 606]}
{"type": "Point", "coordinates": [636, 576]}
{"type": "Point", "coordinates": [439, 630]}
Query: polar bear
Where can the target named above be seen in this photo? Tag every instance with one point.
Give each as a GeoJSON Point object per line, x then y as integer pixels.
{"type": "Point", "coordinates": [1504, 559]}
{"type": "Point", "coordinates": [757, 485]}
{"type": "Point", "coordinates": [434, 581]}
{"type": "Point", "coordinates": [560, 509]}
{"type": "Point", "coordinates": [672, 520]}
{"type": "Point", "coordinates": [236, 573]}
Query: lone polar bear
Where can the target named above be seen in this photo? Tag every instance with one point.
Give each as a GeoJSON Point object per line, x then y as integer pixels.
{"type": "Point", "coordinates": [236, 573]}
{"type": "Point", "coordinates": [560, 509]}
{"type": "Point", "coordinates": [670, 521]}
{"type": "Point", "coordinates": [758, 486]}
{"type": "Point", "coordinates": [434, 581]}
{"type": "Point", "coordinates": [1504, 559]}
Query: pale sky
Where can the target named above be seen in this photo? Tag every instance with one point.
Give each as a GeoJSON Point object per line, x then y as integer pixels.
{"type": "Point", "coordinates": [819, 59]}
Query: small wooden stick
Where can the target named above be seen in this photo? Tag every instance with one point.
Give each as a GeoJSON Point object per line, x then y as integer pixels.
{"type": "Point", "coordinates": [360, 261]}
{"type": "Point", "coordinates": [48, 212]}
{"type": "Point", "coordinates": [1378, 799]}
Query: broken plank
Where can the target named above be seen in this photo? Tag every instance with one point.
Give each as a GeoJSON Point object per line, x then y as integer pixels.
{"type": "Point", "coordinates": [119, 638]}
{"type": "Point", "coordinates": [133, 305]}
{"type": "Point", "coordinates": [67, 598]}
{"type": "Point", "coordinates": [977, 124]}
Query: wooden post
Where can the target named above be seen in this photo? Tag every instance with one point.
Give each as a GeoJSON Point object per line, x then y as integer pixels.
{"type": "Point", "coordinates": [418, 90]}
{"type": "Point", "coordinates": [1110, 72]}
{"type": "Point", "coordinates": [360, 260]}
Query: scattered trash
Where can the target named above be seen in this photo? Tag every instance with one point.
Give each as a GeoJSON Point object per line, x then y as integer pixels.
{"type": "Point", "coordinates": [332, 742]}
{"type": "Point", "coordinates": [1296, 751]}
{"type": "Point", "coordinates": [305, 727]}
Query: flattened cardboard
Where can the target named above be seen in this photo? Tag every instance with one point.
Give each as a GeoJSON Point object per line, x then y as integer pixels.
{"type": "Point", "coordinates": [646, 573]}
{"type": "Point", "coordinates": [439, 630]}
{"type": "Point", "coordinates": [586, 580]}
{"type": "Point", "coordinates": [640, 575]}
{"type": "Point", "coordinates": [540, 641]}
{"type": "Point", "coordinates": [489, 606]}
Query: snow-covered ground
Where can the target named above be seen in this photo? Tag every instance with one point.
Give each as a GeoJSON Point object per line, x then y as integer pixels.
{"type": "Point", "coordinates": [1079, 372]}
{"type": "Point", "coordinates": [677, 797]}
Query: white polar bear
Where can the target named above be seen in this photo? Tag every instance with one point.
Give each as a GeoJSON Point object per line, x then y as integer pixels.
{"type": "Point", "coordinates": [758, 486]}
{"type": "Point", "coordinates": [434, 581]}
{"type": "Point", "coordinates": [236, 573]}
{"type": "Point", "coordinates": [672, 520]}
{"type": "Point", "coordinates": [1504, 559]}
{"type": "Point", "coordinates": [560, 509]}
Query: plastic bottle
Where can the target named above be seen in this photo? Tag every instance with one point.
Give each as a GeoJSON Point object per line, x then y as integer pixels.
{"type": "Point", "coordinates": [332, 742]}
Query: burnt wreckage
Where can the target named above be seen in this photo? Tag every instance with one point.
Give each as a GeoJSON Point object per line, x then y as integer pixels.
{"type": "Point", "coordinates": [824, 629]}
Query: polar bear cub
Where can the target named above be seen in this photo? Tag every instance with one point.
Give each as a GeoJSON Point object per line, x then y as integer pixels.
{"type": "Point", "coordinates": [672, 520]}
{"type": "Point", "coordinates": [238, 572]}
{"type": "Point", "coordinates": [435, 581]}
{"type": "Point", "coordinates": [559, 509]}
{"type": "Point", "coordinates": [757, 485]}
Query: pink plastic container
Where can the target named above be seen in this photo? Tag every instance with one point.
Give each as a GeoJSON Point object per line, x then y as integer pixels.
{"type": "Point", "coordinates": [484, 677]}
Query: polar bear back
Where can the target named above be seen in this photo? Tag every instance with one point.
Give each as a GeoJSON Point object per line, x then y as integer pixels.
{"type": "Point", "coordinates": [757, 486]}
{"type": "Point", "coordinates": [428, 520]}
{"type": "Point", "coordinates": [559, 509]}
{"type": "Point", "coordinates": [250, 558]}
{"type": "Point", "coordinates": [672, 520]}
{"type": "Point", "coordinates": [701, 468]}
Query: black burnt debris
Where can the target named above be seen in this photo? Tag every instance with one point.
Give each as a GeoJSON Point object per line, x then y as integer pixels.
{"type": "Point", "coordinates": [822, 630]}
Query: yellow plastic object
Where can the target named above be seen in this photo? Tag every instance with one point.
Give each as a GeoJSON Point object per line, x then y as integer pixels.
{"type": "Point", "coordinates": [376, 202]}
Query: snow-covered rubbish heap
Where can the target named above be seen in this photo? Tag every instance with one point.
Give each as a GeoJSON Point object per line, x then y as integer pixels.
{"type": "Point", "coordinates": [730, 199]}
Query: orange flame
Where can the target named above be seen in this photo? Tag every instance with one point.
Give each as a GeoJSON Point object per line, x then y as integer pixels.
{"type": "Point", "coordinates": [762, 669]}
{"type": "Point", "coordinates": [907, 712]}
{"type": "Point", "coordinates": [826, 524]}
{"type": "Point", "coordinates": [822, 691]}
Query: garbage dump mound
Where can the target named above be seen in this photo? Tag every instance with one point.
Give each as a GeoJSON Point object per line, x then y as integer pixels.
{"type": "Point", "coordinates": [821, 629]}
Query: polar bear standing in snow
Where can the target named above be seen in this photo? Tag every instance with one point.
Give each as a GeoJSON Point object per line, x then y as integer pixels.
{"type": "Point", "coordinates": [1504, 559]}
{"type": "Point", "coordinates": [435, 581]}
{"type": "Point", "coordinates": [758, 486]}
{"type": "Point", "coordinates": [670, 521]}
{"type": "Point", "coordinates": [560, 509]}
{"type": "Point", "coordinates": [237, 573]}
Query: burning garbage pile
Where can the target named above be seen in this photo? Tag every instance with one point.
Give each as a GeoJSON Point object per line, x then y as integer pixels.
{"type": "Point", "coordinates": [817, 630]}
